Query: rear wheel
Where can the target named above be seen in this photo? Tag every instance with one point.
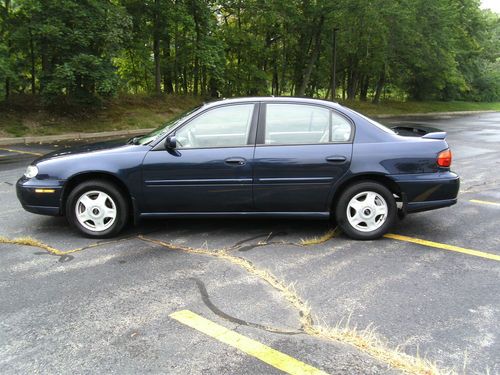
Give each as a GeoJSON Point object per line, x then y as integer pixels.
{"type": "Point", "coordinates": [97, 208]}
{"type": "Point", "coordinates": [366, 210]}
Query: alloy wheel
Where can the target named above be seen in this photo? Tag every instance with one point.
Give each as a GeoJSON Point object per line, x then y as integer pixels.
{"type": "Point", "coordinates": [367, 211]}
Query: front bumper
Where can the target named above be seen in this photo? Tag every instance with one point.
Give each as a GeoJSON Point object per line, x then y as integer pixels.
{"type": "Point", "coordinates": [40, 196]}
{"type": "Point", "coordinates": [428, 191]}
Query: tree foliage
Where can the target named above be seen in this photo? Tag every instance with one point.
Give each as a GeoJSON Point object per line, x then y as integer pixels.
{"type": "Point", "coordinates": [87, 50]}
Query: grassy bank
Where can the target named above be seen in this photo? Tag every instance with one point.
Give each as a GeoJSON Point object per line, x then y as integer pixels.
{"type": "Point", "coordinates": [136, 112]}
{"type": "Point", "coordinates": [401, 108]}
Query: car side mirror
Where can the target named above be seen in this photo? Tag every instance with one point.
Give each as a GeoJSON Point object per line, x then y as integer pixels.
{"type": "Point", "coordinates": [170, 142]}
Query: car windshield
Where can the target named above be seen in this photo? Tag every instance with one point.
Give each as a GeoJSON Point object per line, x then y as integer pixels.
{"type": "Point", "coordinates": [158, 132]}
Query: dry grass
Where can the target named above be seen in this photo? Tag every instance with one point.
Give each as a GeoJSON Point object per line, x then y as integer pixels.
{"type": "Point", "coordinates": [321, 239]}
{"type": "Point", "coordinates": [365, 340]}
{"type": "Point", "coordinates": [28, 241]}
{"type": "Point", "coordinates": [23, 118]}
{"type": "Point", "coordinates": [288, 291]}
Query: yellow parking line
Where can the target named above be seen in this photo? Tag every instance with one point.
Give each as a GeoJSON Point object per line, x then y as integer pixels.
{"type": "Point", "coordinates": [484, 202]}
{"type": "Point", "coordinates": [21, 152]}
{"type": "Point", "coordinates": [443, 246]}
{"type": "Point", "coordinates": [254, 348]}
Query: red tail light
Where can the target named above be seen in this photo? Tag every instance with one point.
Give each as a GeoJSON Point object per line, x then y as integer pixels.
{"type": "Point", "coordinates": [444, 158]}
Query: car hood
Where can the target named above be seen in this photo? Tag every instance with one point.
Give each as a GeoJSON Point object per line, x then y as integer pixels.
{"type": "Point", "coordinates": [83, 149]}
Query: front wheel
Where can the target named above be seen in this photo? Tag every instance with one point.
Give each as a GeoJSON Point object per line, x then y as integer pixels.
{"type": "Point", "coordinates": [366, 211]}
{"type": "Point", "coordinates": [97, 209]}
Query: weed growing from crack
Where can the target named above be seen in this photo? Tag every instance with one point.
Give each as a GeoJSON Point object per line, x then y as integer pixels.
{"type": "Point", "coordinates": [321, 239]}
{"type": "Point", "coordinates": [365, 340]}
{"type": "Point", "coordinates": [28, 241]}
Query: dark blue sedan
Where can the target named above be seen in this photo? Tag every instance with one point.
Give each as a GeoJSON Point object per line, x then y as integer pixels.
{"type": "Point", "coordinates": [267, 157]}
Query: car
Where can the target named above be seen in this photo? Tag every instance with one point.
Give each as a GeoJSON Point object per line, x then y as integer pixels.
{"type": "Point", "coordinates": [263, 156]}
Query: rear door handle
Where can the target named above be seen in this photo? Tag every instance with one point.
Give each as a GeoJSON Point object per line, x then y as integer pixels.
{"type": "Point", "coordinates": [336, 159]}
{"type": "Point", "coordinates": [235, 161]}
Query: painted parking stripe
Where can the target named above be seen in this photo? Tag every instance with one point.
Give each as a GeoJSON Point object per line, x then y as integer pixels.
{"type": "Point", "coordinates": [485, 202]}
{"type": "Point", "coordinates": [443, 246]}
{"type": "Point", "coordinates": [254, 348]}
{"type": "Point", "coordinates": [21, 151]}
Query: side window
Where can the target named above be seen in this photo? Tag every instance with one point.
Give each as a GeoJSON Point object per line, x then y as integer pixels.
{"type": "Point", "coordinates": [304, 124]}
{"type": "Point", "coordinates": [341, 128]}
{"type": "Point", "coordinates": [226, 126]}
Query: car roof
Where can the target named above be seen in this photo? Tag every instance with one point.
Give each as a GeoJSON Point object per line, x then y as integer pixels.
{"type": "Point", "coordinates": [273, 99]}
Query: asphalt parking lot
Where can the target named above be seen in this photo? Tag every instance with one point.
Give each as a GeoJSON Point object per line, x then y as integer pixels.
{"type": "Point", "coordinates": [186, 296]}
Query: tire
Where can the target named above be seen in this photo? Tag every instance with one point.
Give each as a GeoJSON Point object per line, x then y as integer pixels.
{"type": "Point", "coordinates": [366, 210]}
{"type": "Point", "coordinates": [97, 208]}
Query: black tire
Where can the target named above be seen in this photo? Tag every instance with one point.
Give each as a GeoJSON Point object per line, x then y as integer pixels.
{"type": "Point", "coordinates": [116, 198]}
{"type": "Point", "coordinates": [352, 191]}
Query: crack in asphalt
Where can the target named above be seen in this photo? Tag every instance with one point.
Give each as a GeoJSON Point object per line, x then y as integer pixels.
{"type": "Point", "coordinates": [64, 256]}
{"type": "Point", "coordinates": [206, 300]}
{"type": "Point", "coordinates": [365, 340]}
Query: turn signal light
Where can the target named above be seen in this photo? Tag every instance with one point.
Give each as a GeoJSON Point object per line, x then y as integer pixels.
{"type": "Point", "coordinates": [44, 190]}
{"type": "Point", "coordinates": [444, 158]}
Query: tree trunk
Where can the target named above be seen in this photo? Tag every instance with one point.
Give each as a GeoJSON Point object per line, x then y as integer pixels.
{"type": "Point", "coordinates": [184, 80]}
{"type": "Point", "coordinates": [46, 65]}
{"type": "Point", "coordinates": [167, 68]}
{"type": "Point", "coordinates": [327, 95]}
{"type": "Point", "coordinates": [196, 68]}
{"type": "Point", "coordinates": [156, 47]}
{"type": "Point", "coordinates": [363, 92]}
{"type": "Point", "coordinates": [33, 67]}
{"type": "Point", "coordinates": [175, 68]}
{"type": "Point", "coordinates": [203, 80]}
{"type": "Point", "coordinates": [275, 87]}
{"type": "Point", "coordinates": [352, 83]}
{"type": "Point", "coordinates": [214, 92]}
{"type": "Point", "coordinates": [344, 84]}
{"type": "Point", "coordinates": [303, 49]}
{"type": "Point", "coordinates": [379, 87]}
{"type": "Point", "coordinates": [6, 23]}
{"type": "Point", "coordinates": [283, 69]}
{"type": "Point", "coordinates": [312, 59]}
{"type": "Point", "coordinates": [238, 51]}
{"type": "Point", "coordinates": [196, 73]}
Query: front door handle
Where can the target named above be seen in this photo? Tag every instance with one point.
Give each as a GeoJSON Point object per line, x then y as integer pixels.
{"type": "Point", "coordinates": [235, 161]}
{"type": "Point", "coordinates": [336, 159]}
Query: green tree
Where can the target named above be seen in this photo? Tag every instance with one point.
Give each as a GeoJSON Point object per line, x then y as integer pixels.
{"type": "Point", "coordinates": [77, 41]}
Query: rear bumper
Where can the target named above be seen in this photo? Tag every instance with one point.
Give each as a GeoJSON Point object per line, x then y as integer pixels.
{"type": "Point", "coordinates": [47, 202]}
{"type": "Point", "coordinates": [428, 191]}
{"type": "Point", "coordinates": [430, 205]}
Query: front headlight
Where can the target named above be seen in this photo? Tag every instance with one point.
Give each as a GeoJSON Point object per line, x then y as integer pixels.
{"type": "Point", "coordinates": [31, 171]}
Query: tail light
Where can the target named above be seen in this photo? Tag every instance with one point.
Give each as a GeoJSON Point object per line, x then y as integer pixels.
{"type": "Point", "coordinates": [444, 158]}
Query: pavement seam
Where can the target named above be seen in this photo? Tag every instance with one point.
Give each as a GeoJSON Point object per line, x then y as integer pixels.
{"type": "Point", "coordinates": [28, 241]}
{"type": "Point", "coordinates": [364, 340]}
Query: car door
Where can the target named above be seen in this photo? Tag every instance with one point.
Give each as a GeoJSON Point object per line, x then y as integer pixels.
{"type": "Point", "coordinates": [301, 151]}
{"type": "Point", "coordinates": [210, 170]}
